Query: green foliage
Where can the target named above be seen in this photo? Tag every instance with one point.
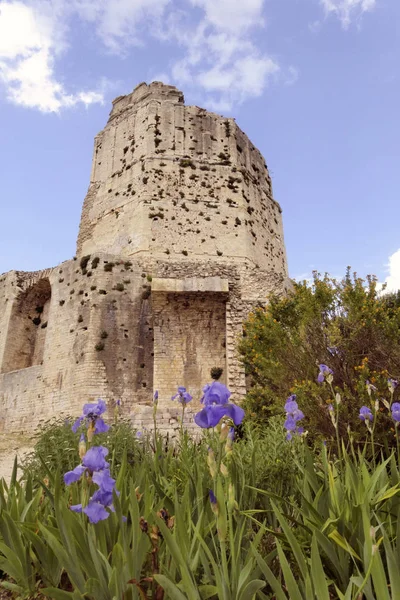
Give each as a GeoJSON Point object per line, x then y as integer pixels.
{"type": "Point", "coordinates": [207, 518]}
{"type": "Point", "coordinates": [56, 448]}
{"type": "Point", "coordinates": [345, 543]}
{"type": "Point", "coordinates": [346, 325]}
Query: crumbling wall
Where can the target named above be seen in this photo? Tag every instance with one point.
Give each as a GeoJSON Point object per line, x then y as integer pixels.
{"type": "Point", "coordinates": [178, 180]}
{"type": "Point", "coordinates": [180, 238]}
{"type": "Point", "coordinates": [26, 336]}
{"type": "Point", "coordinates": [190, 339]}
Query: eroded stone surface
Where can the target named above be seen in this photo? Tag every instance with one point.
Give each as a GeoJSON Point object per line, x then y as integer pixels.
{"type": "Point", "coordinates": [179, 239]}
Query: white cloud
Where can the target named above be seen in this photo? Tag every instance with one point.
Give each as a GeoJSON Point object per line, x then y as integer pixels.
{"type": "Point", "coordinates": [392, 281]}
{"type": "Point", "coordinates": [120, 23]}
{"type": "Point", "coordinates": [232, 15]}
{"type": "Point", "coordinates": [30, 40]}
{"type": "Point", "coordinates": [219, 58]}
{"type": "Point", "coordinates": [347, 10]}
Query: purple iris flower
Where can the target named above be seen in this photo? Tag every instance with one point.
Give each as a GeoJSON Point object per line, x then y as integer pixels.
{"type": "Point", "coordinates": [215, 393]}
{"type": "Point", "coordinates": [211, 415]}
{"type": "Point", "coordinates": [96, 512]}
{"type": "Point", "coordinates": [291, 404]}
{"type": "Point", "coordinates": [216, 406]}
{"type": "Point", "coordinates": [91, 414]}
{"type": "Point", "coordinates": [212, 497]}
{"type": "Point", "coordinates": [392, 384]}
{"type": "Point", "coordinates": [183, 396]}
{"type": "Point", "coordinates": [155, 397]}
{"type": "Point", "coordinates": [290, 424]}
{"type": "Point", "coordinates": [292, 408]}
{"type": "Point", "coordinates": [94, 459]}
{"type": "Point", "coordinates": [396, 411]}
{"type": "Point", "coordinates": [293, 416]}
{"type": "Point", "coordinates": [74, 475]}
{"type": "Point", "coordinates": [324, 370]}
{"type": "Point", "coordinates": [366, 414]}
{"type": "Point", "coordinates": [104, 480]}
{"type": "Point", "coordinates": [231, 434]}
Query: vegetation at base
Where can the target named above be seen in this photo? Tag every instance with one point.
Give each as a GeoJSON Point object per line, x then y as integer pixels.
{"type": "Point", "coordinates": [347, 325]}
{"type": "Point", "coordinates": [265, 511]}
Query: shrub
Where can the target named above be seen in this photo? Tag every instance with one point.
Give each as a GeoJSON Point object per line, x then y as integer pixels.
{"type": "Point", "coordinates": [346, 325]}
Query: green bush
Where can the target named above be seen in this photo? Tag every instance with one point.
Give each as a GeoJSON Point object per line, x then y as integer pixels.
{"type": "Point", "coordinates": [56, 448]}
{"type": "Point", "coordinates": [346, 325]}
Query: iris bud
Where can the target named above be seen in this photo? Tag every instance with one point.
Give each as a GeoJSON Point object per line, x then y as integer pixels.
{"type": "Point", "coordinates": [82, 446]}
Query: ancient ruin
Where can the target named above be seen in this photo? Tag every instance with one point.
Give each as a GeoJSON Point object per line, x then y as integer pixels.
{"type": "Point", "coordinates": [179, 239]}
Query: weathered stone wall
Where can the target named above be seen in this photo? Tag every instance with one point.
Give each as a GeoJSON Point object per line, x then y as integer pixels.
{"type": "Point", "coordinates": [190, 340]}
{"type": "Point", "coordinates": [176, 179]}
{"type": "Point", "coordinates": [179, 239]}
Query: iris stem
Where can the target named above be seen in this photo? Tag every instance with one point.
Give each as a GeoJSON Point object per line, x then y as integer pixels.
{"type": "Point", "coordinates": [182, 419]}
{"type": "Point", "coordinates": [337, 422]}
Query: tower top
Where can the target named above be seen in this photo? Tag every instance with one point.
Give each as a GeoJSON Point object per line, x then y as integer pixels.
{"type": "Point", "coordinates": [144, 93]}
{"type": "Point", "coordinates": [177, 182]}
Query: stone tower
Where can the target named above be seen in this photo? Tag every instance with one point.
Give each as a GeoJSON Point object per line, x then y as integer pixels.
{"type": "Point", "coordinates": [179, 239]}
{"type": "Point", "coordinates": [176, 179]}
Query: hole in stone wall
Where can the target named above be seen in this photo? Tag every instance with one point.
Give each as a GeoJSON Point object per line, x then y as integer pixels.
{"type": "Point", "coordinates": [26, 338]}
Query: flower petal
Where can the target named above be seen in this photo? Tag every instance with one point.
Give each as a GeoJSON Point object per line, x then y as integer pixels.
{"type": "Point", "coordinates": [96, 512]}
{"type": "Point", "coordinates": [236, 413]}
{"type": "Point", "coordinates": [104, 480]}
{"type": "Point", "coordinates": [217, 393]}
{"type": "Point", "coordinates": [94, 459]}
{"type": "Point", "coordinates": [100, 426]}
{"type": "Point", "coordinates": [73, 475]}
{"type": "Point", "coordinates": [201, 419]}
{"type": "Point", "coordinates": [77, 424]}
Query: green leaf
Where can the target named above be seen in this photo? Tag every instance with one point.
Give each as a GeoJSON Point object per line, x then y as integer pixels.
{"type": "Point", "coordinates": [245, 574]}
{"type": "Point", "coordinates": [317, 573]}
{"type": "Point", "coordinates": [180, 562]}
{"type": "Point", "coordinates": [207, 591]}
{"type": "Point", "coordinates": [293, 589]}
{"type": "Point", "coordinates": [269, 576]}
{"type": "Point", "coordinates": [172, 590]}
{"type": "Point", "coordinates": [343, 543]}
{"type": "Point", "coordinates": [393, 568]}
{"type": "Point", "coordinates": [297, 551]}
{"type": "Point", "coordinates": [251, 589]}
{"type": "Point", "coordinates": [57, 594]}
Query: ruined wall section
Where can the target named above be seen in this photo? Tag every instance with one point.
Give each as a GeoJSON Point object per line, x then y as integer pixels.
{"type": "Point", "coordinates": [178, 180]}
{"type": "Point", "coordinates": [98, 341]}
{"type": "Point", "coordinates": [7, 284]}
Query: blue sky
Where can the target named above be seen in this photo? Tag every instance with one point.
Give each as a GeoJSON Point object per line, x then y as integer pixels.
{"type": "Point", "coordinates": [314, 83]}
